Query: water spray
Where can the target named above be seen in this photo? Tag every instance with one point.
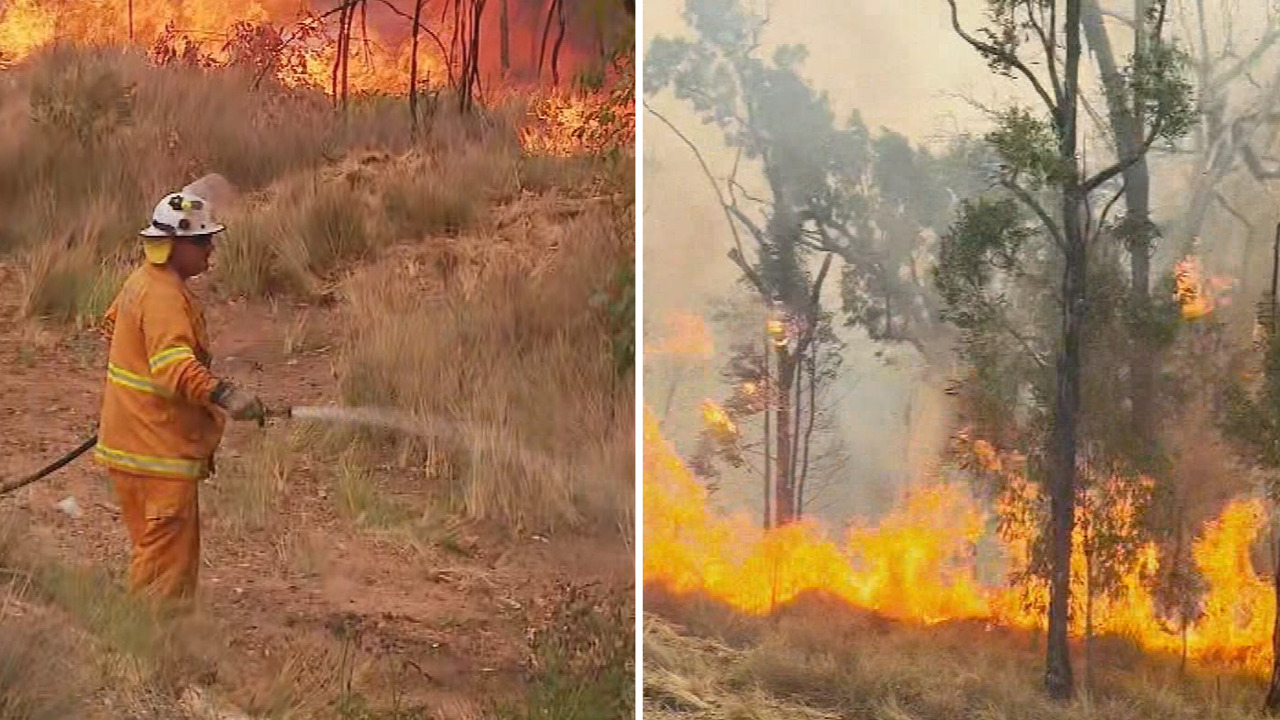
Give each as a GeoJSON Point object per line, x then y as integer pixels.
{"type": "Point", "coordinates": [379, 417]}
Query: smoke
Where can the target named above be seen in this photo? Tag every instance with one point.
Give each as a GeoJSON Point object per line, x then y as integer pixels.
{"type": "Point", "coordinates": [901, 66]}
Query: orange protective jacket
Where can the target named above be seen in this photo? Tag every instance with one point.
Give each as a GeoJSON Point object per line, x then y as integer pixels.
{"type": "Point", "coordinates": [158, 417]}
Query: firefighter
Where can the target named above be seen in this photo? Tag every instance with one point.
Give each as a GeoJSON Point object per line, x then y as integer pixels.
{"type": "Point", "coordinates": [163, 409]}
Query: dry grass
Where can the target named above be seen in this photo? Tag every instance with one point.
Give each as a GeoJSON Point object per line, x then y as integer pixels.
{"type": "Point", "coordinates": [77, 637]}
{"type": "Point", "coordinates": [35, 681]}
{"type": "Point", "coordinates": [821, 660]}
{"type": "Point", "coordinates": [360, 500]}
{"type": "Point", "coordinates": [503, 344]}
{"type": "Point", "coordinates": [249, 487]}
{"type": "Point", "coordinates": [502, 330]}
{"type": "Point", "coordinates": [89, 139]}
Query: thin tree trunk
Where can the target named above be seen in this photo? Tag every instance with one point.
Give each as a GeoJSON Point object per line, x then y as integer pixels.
{"type": "Point", "coordinates": [1088, 606]}
{"type": "Point", "coordinates": [808, 433]}
{"type": "Point", "coordinates": [1272, 704]}
{"type": "Point", "coordinates": [546, 33]}
{"type": "Point", "coordinates": [1062, 478]}
{"type": "Point", "coordinates": [130, 21]}
{"type": "Point", "coordinates": [768, 437]}
{"type": "Point", "coordinates": [785, 493]}
{"type": "Point", "coordinates": [413, 67]}
{"type": "Point", "coordinates": [797, 415]}
{"type": "Point", "coordinates": [505, 29]}
{"type": "Point", "coordinates": [555, 51]}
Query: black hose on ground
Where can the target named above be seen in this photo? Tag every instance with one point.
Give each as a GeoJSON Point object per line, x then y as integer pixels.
{"type": "Point", "coordinates": [10, 486]}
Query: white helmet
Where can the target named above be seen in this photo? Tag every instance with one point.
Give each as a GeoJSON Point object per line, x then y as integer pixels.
{"type": "Point", "coordinates": [181, 215]}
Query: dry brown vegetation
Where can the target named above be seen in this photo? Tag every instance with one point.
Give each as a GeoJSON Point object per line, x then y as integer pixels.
{"type": "Point", "coordinates": [492, 320]}
{"type": "Point", "coordinates": [452, 276]}
{"type": "Point", "coordinates": [820, 659]}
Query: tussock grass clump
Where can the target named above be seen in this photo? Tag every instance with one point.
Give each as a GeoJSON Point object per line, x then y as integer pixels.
{"type": "Point", "coordinates": [509, 349]}
{"type": "Point", "coordinates": [73, 279]}
{"type": "Point", "coordinates": [249, 487]}
{"type": "Point", "coordinates": [35, 682]}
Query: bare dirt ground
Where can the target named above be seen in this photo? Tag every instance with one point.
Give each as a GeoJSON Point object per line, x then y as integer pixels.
{"type": "Point", "coordinates": [443, 627]}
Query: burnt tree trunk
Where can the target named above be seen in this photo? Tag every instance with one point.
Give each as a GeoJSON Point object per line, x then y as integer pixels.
{"type": "Point", "coordinates": [1272, 704]}
{"type": "Point", "coordinates": [342, 61]}
{"type": "Point", "coordinates": [1088, 606]}
{"type": "Point", "coordinates": [468, 14]}
{"type": "Point", "coordinates": [797, 413]}
{"type": "Point", "coordinates": [768, 387]}
{"type": "Point", "coordinates": [1058, 677]}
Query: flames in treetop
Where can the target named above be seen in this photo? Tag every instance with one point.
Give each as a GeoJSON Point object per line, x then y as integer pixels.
{"type": "Point", "coordinates": [919, 562]}
{"type": "Point", "coordinates": [296, 40]}
{"type": "Point", "coordinates": [717, 418]}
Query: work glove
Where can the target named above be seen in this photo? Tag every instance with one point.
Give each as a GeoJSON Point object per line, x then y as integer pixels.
{"type": "Point", "coordinates": [241, 405]}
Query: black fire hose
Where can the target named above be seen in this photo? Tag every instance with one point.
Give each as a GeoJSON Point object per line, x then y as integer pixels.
{"type": "Point", "coordinates": [10, 486]}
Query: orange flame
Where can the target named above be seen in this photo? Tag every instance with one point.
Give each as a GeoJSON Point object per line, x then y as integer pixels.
{"type": "Point", "coordinates": [1197, 295]}
{"type": "Point", "coordinates": [688, 548]}
{"type": "Point", "coordinates": [301, 47]}
{"type": "Point", "coordinates": [717, 418]}
{"type": "Point", "coordinates": [919, 563]}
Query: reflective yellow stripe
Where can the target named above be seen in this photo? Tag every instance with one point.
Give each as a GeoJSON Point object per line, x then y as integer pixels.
{"type": "Point", "coordinates": [173, 467]}
{"type": "Point", "coordinates": [170, 356]}
{"type": "Point", "coordinates": [134, 381]}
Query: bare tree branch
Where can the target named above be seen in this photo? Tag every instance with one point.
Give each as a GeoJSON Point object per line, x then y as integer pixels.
{"type": "Point", "coordinates": [1222, 200]}
{"type": "Point", "coordinates": [1251, 161]}
{"type": "Point", "coordinates": [448, 62]}
{"type": "Point", "coordinates": [989, 50]}
{"type": "Point", "coordinates": [1050, 45]}
{"type": "Point", "coordinates": [1106, 209]}
{"type": "Point", "coordinates": [1021, 193]}
{"type": "Point", "coordinates": [738, 257]}
{"type": "Point", "coordinates": [1247, 62]}
{"type": "Point", "coordinates": [1124, 163]}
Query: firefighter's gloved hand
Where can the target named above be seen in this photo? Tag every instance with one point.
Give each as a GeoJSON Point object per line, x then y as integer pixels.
{"type": "Point", "coordinates": [241, 405]}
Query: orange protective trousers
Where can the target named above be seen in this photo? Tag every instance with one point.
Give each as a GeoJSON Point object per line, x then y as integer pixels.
{"type": "Point", "coordinates": [162, 516]}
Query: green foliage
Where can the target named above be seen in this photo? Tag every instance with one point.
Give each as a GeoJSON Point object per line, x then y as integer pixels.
{"type": "Point", "coordinates": [987, 237]}
{"type": "Point", "coordinates": [1251, 419]}
{"type": "Point", "coordinates": [1028, 147]}
{"type": "Point", "coordinates": [619, 303]}
{"type": "Point", "coordinates": [1158, 84]}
